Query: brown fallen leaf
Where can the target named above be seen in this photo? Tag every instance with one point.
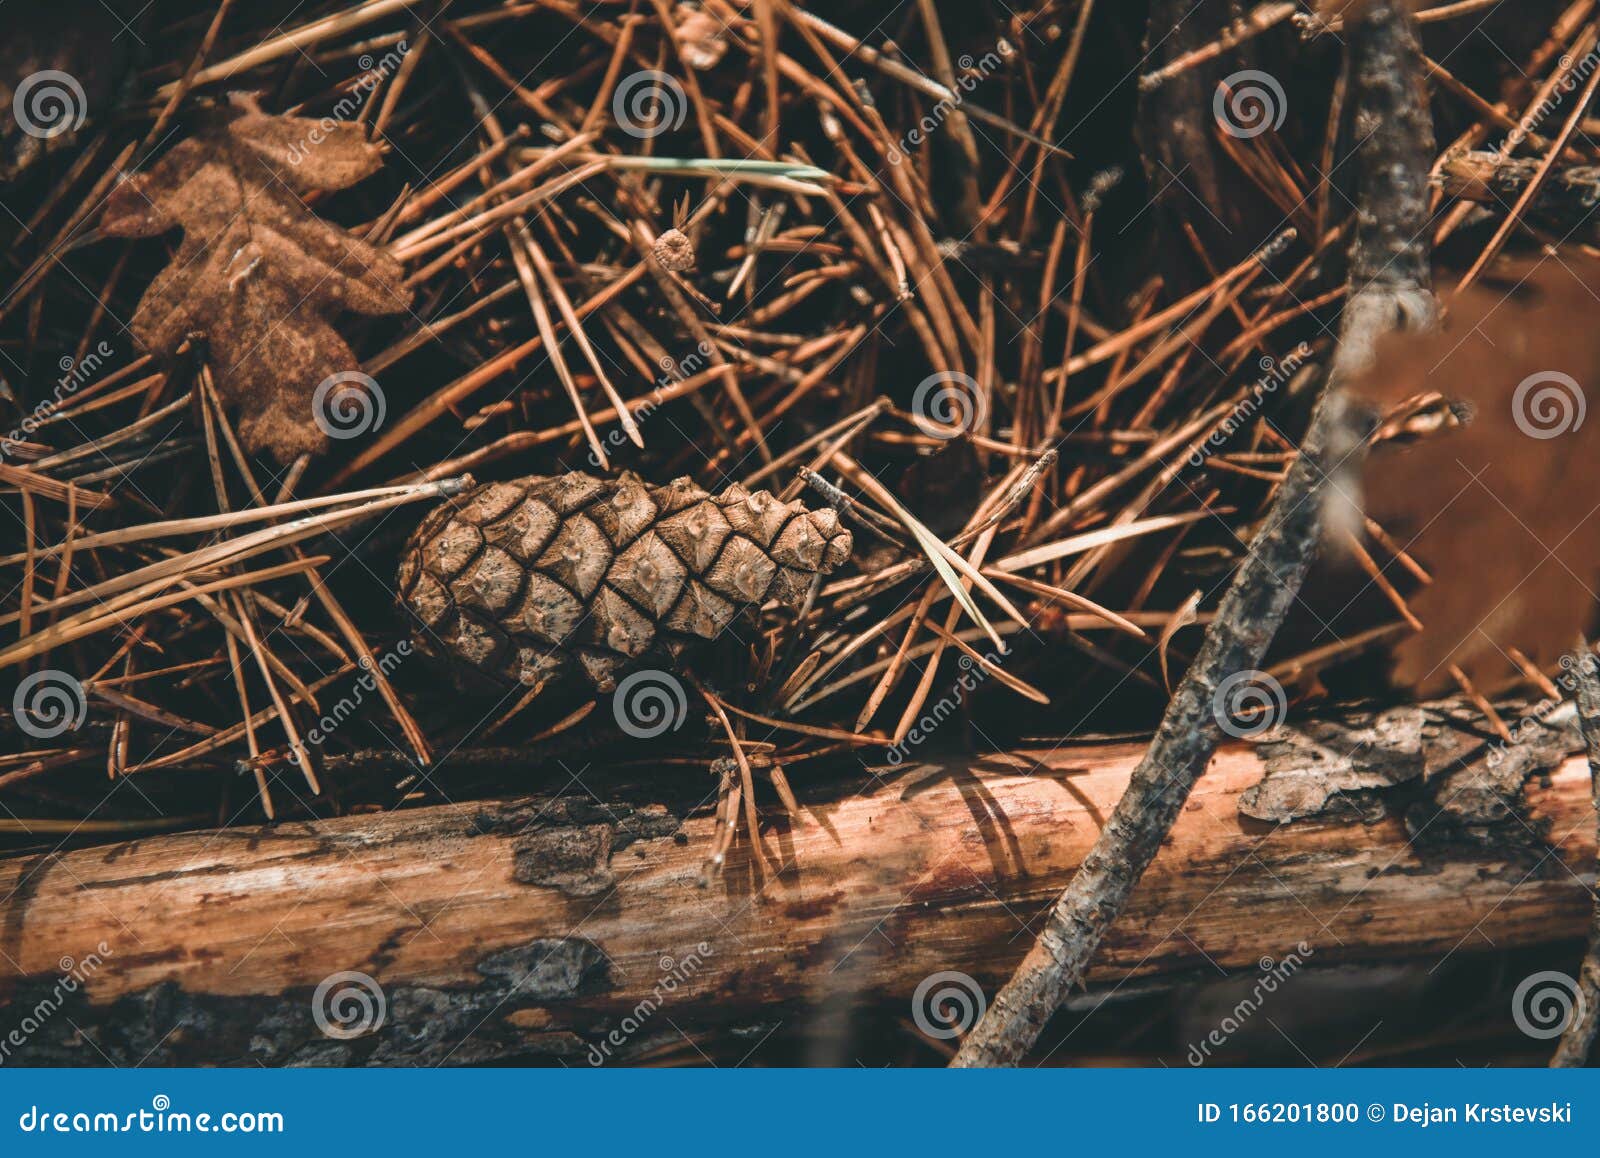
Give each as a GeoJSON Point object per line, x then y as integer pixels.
{"type": "Point", "coordinates": [257, 273]}
{"type": "Point", "coordinates": [1502, 502]}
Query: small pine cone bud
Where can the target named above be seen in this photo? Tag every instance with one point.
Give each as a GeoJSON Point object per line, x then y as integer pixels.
{"type": "Point", "coordinates": [527, 579]}
{"type": "Point", "coordinates": [674, 251]}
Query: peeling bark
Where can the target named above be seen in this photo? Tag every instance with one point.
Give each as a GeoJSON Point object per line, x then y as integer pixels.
{"type": "Point", "coordinates": [1337, 767]}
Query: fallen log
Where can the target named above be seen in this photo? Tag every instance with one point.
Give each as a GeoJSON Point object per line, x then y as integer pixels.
{"type": "Point", "coordinates": [567, 928]}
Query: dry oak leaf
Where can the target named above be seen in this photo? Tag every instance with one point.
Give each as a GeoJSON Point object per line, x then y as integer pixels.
{"type": "Point", "coordinates": [1503, 506]}
{"type": "Point", "coordinates": [257, 273]}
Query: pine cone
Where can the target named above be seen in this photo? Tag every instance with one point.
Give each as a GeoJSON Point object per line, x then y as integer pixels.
{"type": "Point", "coordinates": [522, 580]}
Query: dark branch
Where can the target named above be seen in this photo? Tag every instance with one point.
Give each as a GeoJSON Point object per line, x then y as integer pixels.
{"type": "Point", "coordinates": [1388, 282]}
